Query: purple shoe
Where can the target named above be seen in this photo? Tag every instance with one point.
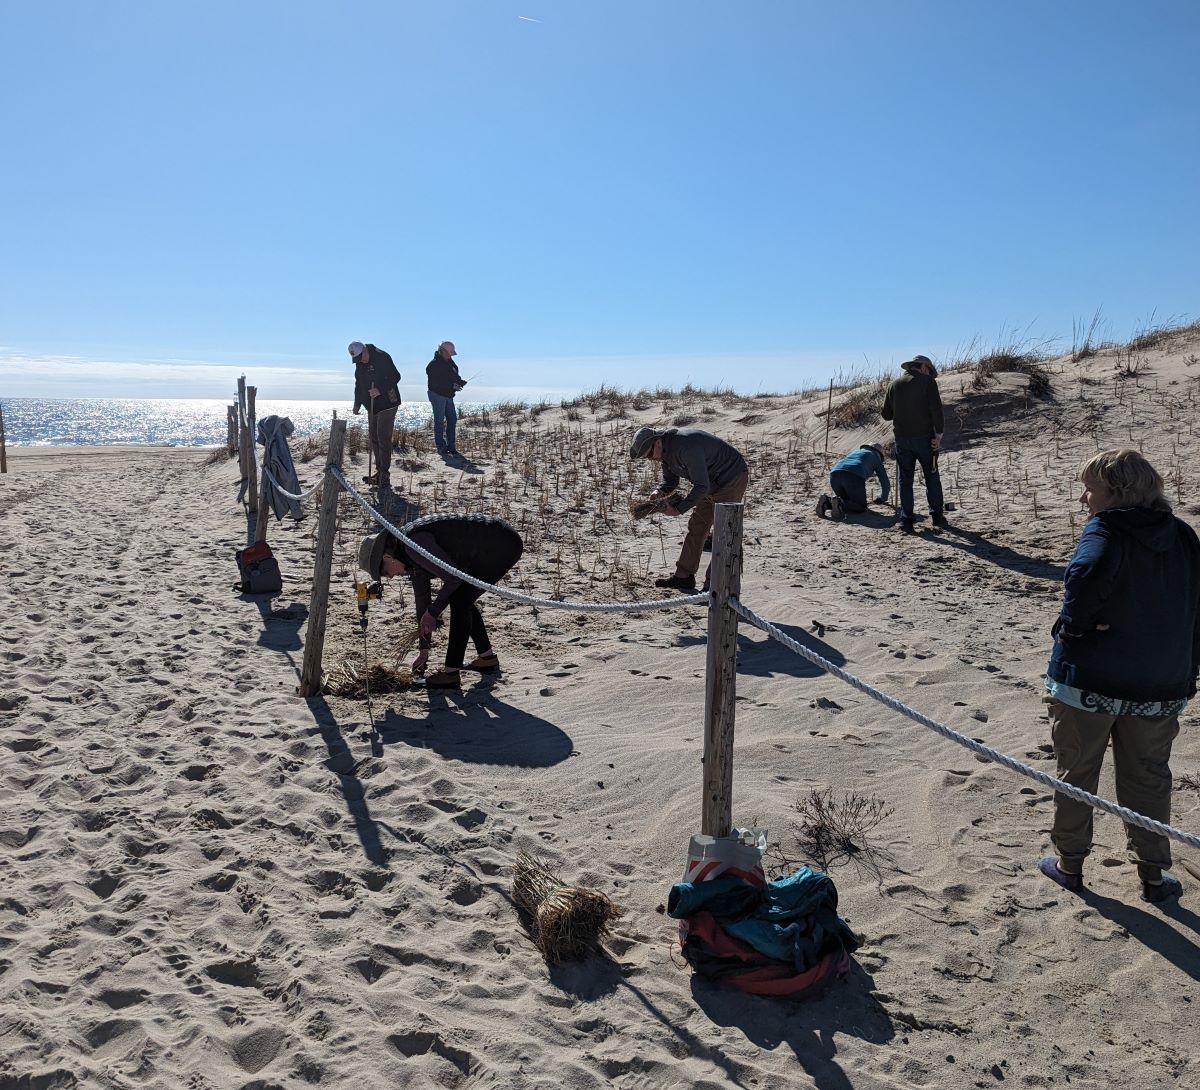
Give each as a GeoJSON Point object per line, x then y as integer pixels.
{"type": "Point", "coordinates": [1073, 883]}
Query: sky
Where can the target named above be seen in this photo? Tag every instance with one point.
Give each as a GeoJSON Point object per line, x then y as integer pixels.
{"type": "Point", "coordinates": [758, 194]}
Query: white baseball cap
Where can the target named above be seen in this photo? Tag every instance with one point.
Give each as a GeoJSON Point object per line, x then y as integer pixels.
{"type": "Point", "coordinates": [356, 349]}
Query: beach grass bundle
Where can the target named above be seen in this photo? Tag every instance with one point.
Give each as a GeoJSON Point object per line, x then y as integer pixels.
{"type": "Point", "coordinates": [354, 678]}
{"type": "Point", "coordinates": [565, 922]}
{"type": "Point", "coordinates": [641, 508]}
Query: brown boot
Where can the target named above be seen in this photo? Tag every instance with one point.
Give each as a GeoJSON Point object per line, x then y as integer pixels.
{"type": "Point", "coordinates": [485, 664]}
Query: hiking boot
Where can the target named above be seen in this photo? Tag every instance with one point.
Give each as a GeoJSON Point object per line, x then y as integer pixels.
{"type": "Point", "coordinates": [940, 520]}
{"type": "Point", "coordinates": [677, 582]}
{"type": "Point", "coordinates": [442, 679]}
{"type": "Point", "coordinates": [823, 505]}
{"type": "Point", "coordinates": [1158, 892]}
{"type": "Point", "coordinates": [908, 526]}
{"type": "Point", "coordinates": [370, 478]}
{"type": "Point", "coordinates": [836, 511]}
{"type": "Point", "coordinates": [485, 664]}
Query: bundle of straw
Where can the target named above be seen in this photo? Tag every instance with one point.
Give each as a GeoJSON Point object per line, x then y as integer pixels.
{"type": "Point", "coordinates": [353, 678]}
{"type": "Point", "coordinates": [640, 508]}
{"type": "Point", "coordinates": [565, 922]}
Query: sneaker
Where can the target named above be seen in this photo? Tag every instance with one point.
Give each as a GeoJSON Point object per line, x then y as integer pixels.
{"type": "Point", "coordinates": [677, 582]}
{"type": "Point", "coordinates": [485, 664]}
{"type": "Point", "coordinates": [442, 679]}
{"type": "Point", "coordinates": [453, 453]}
{"type": "Point", "coordinates": [908, 526]}
{"type": "Point", "coordinates": [1158, 892]}
{"type": "Point", "coordinates": [940, 520]}
{"type": "Point", "coordinates": [835, 508]}
{"type": "Point", "coordinates": [823, 505]}
{"type": "Point", "coordinates": [1073, 883]}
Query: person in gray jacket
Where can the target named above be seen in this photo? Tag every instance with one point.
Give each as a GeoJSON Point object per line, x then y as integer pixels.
{"type": "Point", "coordinates": [718, 474]}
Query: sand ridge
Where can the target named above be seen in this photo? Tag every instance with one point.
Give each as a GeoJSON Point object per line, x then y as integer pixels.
{"type": "Point", "coordinates": [208, 882]}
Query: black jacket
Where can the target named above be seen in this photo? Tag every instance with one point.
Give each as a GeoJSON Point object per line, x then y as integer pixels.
{"type": "Point", "coordinates": [444, 378]}
{"type": "Point", "coordinates": [380, 372]}
{"type": "Point", "coordinates": [1136, 570]}
{"type": "Point", "coordinates": [914, 406]}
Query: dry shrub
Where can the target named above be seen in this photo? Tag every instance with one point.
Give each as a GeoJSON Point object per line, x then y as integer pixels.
{"type": "Point", "coordinates": [1015, 354]}
{"type": "Point", "coordinates": [832, 830]}
{"type": "Point", "coordinates": [860, 406]}
{"type": "Point", "coordinates": [565, 922]}
{"type": "Point", "coordinates": [356, 440]}
{"type": "Point", "coordinates": [1083, 339]}
{"type": "Point", "coordinates": [351, 680]}
{"type": "Point", "coordinates": [683, 420]}
{"type": "Point", "coordinates": [218, 455]}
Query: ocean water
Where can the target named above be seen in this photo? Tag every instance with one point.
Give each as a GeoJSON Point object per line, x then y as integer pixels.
{"type": "Point", "coordinates": [186, 422]}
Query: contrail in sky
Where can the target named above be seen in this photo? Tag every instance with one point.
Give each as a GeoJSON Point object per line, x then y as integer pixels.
{"type": "Point", "coordinates": [527, 19]}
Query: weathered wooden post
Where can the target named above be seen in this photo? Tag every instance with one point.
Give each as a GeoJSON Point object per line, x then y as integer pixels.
{"type": "Point", "coordinates": [3, 444]}
{"type": "Point", "coordinates": [314, 636]}
{"type": "Point", "coordinates": [264, 512]}
{"type": "Point", "coordinates": [243, 451]}
{"type": "Point", "coordinates": [252, 429]}
{"type": "Point", "coordinates": [720, 676]}
{"type": "Point", "coordinates": [231, 441]}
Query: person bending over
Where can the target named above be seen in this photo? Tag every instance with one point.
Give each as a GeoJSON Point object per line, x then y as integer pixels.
{"type": "Point", "coordinates": [848, 482]}
{"type": "Point", "coordinates": [479, 545]}
{"type": "Point", "coordinates": [718, 474]}
{"type": "Point", "coordinates": [1125, 659]}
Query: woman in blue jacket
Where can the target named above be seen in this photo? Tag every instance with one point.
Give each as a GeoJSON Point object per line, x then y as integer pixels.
{"type": "Point", "coordinates": [1124, 664]}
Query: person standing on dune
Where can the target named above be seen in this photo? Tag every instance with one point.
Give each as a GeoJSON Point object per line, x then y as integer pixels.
{"type": "Point", "coordinates": [914, 406]}
{"type": "Point", "coordinates": [377, 387]}
{"type": "Point", "coordinates": [444, 383]}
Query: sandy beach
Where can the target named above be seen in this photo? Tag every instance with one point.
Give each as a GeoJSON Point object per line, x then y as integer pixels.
{"type": "Point", "coordinates": [208, 882]}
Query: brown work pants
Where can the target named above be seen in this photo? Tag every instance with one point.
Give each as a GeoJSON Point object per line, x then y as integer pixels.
{"type": "Point", "coordinates": [381, 441]}
{"type": "Point", "coordinates": [1141, 764]}
{"type": "Point", "coordinates": [701, 522]}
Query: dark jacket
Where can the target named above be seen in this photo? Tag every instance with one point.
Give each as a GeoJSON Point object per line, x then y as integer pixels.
{"type": "Point", "coordinates": [379, 371]}
{"type": "Point", "coordinates": [913, 405]}
{"type": "Point", "coordinates": [444, 378]}
{"type": "Point", "coordinates": [700, 457]}
{"type": "Point", "coordinates": [479, 545]}
{"type": "Point", "coordinates": [1136, 570]}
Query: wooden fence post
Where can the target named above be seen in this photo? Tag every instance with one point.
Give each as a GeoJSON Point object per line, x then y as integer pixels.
{"type": "Point", "coordinates": [242, 450]}
{"type": "Point", "coordinates": [314, 636]}
{"type": "Point", "coordinates": [231, 440]}
{"type": "Point", "coordinates": [3, 444]}
{"type": "Point", "coordinates": [264, 512]}
{"type": "Point", "coordinates": [720, 676]}
{"type": "Point", "coordinates": [252, 457]}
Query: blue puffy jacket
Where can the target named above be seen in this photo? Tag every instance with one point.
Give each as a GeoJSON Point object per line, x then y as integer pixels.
{"type": "Point", "coordinates": [1137, 571]}
{"type": "Point", "coordinates": [865, 462]}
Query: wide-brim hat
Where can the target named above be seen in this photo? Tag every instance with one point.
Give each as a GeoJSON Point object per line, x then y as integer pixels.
{"type": "Point", "coordinates": [642, 442]}
{"type": "Point", "coordinates": [371, 553]}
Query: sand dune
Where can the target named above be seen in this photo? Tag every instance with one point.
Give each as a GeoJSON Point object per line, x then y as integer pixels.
{"type": "Point", "coordinates": [208, 882]}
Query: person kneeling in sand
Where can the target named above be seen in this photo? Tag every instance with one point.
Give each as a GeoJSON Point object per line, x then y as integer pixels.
{"type": "Point", "coordinates": [718, 473]}
{"type": "Point", "coordinates": [484, 547]}
{"type": "Point", "coordinates": [1125, 662]}
{"type": "Point", "coordinates": [848, 481]}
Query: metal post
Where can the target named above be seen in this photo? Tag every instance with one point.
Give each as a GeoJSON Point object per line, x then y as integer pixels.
{"type": "Point", "coordinates": [720, 677]}
{"type": "Point", "coordinates": [314, 637]}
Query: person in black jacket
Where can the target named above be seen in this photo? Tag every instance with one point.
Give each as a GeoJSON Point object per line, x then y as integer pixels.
{"type": "Point", "coordinates": [914, 406]}
{"type": "Point", "coordinates": [377, 386]}
{"type": "Point", "coordinates": [1125, 662]}
{"type": "Point", "coordinates": [479, 545]}
{"type": "Point", "coordinates": [444, 383]}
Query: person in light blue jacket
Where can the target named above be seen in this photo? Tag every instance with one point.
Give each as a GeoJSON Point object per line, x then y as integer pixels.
{"type": "Point", "coordinates": [848, 482]}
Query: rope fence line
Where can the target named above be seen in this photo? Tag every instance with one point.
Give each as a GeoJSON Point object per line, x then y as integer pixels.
{"type": "Point", "coordinates": [979, 748]}
{"type": "Point", "coordinates": [513, 595]}
{"type": "Point", "coordinates": [284, 492]}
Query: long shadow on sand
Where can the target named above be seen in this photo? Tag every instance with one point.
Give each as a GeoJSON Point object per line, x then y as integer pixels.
{"type": "Point", "coordinates": [767, 658]}
{"type": "Point", "coordinates": [473, 725]}
{"type": "Point", "coordinates": [1002, 556]}
{"type": "Point", "coordinates": [1153, 932]}
{"type": "Point", "coordinates": [343, 764]}
{"type": "Point", "coordinates": [808, 1026]}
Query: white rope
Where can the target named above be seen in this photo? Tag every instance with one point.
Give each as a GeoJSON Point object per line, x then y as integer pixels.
{"type": "Point", "coordinates": [1045, 780]}
{"type": "Point", "coordinates": [512, 595]}
{"type": "Point", "coordinates": [284, 492]}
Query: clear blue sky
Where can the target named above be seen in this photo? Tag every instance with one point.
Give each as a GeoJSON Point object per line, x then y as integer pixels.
{"type": "Point", "coordinates": [579, 192]}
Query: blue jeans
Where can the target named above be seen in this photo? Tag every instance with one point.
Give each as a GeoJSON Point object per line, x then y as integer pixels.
{"type": "Point", "coordinates": [908, 453]}
{"type": "Point", "coordinates": [445, 419]}
{"type": "Point", "coordinates": [850, 489]}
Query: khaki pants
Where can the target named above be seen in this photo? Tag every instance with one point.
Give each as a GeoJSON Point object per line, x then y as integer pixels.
{"type": "Point", "coordinates": [1141, 764]}
{"type": "Point", "coordinates": [381, 441]}
{"type": "Point", "coordinates": [701, 521]}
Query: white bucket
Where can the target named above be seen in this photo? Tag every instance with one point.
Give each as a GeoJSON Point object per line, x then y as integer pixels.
{"type": "Point", "coordinates": [738, 855]}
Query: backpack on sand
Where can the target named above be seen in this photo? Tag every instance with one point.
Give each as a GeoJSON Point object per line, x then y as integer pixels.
{"type": "Point", "coordinates": [258, 570]}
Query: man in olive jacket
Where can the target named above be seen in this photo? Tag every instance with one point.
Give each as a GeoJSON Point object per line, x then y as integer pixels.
{"type": "Point", "coordinates": [377, 386]}
{"type": "Point", "coordinates": [914, 407]}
